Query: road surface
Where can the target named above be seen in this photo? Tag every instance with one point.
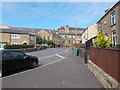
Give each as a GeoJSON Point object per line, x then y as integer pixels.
{"type": "Point", "coordinates": [57, 69]}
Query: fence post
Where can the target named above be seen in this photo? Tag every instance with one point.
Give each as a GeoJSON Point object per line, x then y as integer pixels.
{"type": "Point", "coordinates": [86, 55]}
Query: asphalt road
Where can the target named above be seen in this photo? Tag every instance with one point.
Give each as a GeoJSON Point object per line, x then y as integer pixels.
{"type": "Point", "coordinates": [57, 69]}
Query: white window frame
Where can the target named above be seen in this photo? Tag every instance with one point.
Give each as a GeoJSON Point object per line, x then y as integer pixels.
{"type": "Point", "coordinates": [114, 37]}
{"type": "Point", "coordinates": [113, 18]}
{"type": "Point", "coordinates": [15, 43]}
{"type": "Point", "coordinates": [73, 36]}
{"type": "Point", "coordinates": [15, 36]}
{"type": "Point", "coordinates": [69, 36]}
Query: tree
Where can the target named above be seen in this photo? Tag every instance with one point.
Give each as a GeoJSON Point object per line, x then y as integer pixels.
{"type": "Point", "coordinates": [103, 41]}
{"type": "Point", "coordinates": [39, 40]}
{"type": "Point", "coordinates": [49, 42]}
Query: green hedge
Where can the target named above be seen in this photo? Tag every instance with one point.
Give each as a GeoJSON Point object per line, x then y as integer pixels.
{"type": "Point", "coordinates": [17, 46]}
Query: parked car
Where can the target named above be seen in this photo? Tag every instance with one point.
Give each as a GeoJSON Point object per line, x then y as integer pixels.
{"type": "Point", "coordinates": [12, 59]}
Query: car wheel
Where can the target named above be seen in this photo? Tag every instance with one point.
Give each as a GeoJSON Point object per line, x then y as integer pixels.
{"type": "Point", "coordinates": [33, 64]}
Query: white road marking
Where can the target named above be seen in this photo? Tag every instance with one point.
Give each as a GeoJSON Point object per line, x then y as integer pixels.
{"type": "Point", "coordinates": [62, 58]}
{"type": "Point", "coordinates": [34, 68]}
{"type": "Point", "coordinates": [66, 50]}
{"type": "Point", "coordinates": [46, 57]}
{"type": "Point", "coordinates": [54, 55]}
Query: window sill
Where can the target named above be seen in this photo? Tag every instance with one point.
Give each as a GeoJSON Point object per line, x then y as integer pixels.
{"type": "Point", "coordinates": [112, 25]}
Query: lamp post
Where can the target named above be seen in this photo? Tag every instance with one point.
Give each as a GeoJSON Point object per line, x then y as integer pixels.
{"type": "Point", "coordinates": [42, 39]}
{"type": "Point", "coordinates": [76, 30]}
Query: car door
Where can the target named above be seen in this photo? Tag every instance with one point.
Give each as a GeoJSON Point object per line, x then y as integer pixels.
{"type": "Point", "coordinates": [7, 62]}
{"type": "Point", "coordinates": [19, 58]}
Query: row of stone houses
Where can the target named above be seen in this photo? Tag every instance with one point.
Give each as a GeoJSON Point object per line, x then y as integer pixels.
{"type": "Point", "coordinates": [109, 23]}
{"type": "Point", "coordinates": [65, 36]}
{"type": "Point", "coordinates": [18, 35]}
{"type": "Point", "coordinates": [13, 36]}
{"type": "Point", "coordinates": [70, 35]}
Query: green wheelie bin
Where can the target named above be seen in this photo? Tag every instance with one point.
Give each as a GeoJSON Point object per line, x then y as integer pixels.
{"type": "Point", "coordinates": [75, 51]}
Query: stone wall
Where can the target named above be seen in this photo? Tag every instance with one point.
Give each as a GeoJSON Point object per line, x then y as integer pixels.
{"type": "Point", "coordinates": [106, 80]}
{"type": "Point", "coordinates": [81, 53]}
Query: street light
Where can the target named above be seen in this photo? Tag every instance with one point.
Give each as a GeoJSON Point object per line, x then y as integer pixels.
{"type": "Point", "coordinates": [76, 30]}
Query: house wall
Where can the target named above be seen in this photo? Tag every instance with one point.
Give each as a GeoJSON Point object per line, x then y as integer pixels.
{"type": "Point", "coordinates": [89, 33]}
{"type": "Point", "coordinates": [23, 38]}
{"type": "Point", "coordinates": [118, 36]}
{"type": "Point", "coordinates": [84, 36]}
{"type": "Point", "coordinates": [92, 31]}
{"type": "Point", "coordinates": [45, 34]}
{"type": "Point", "coordinates": [106, 23]}
{"type": "Point", "coordinates": [69, 40]}
{"type": "Point", "coordinates": [5, 37]}
{"type": "Point", "coordinates": [32, 42]}
{"type": "Point", "coordinates": [49, 36]}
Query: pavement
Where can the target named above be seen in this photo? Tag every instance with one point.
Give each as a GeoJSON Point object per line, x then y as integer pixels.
{"type": "Point", "coordinates": [58, 68]}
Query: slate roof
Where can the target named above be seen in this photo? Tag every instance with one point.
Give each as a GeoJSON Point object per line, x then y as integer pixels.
{"type": "Point", "coordinates": [16, 31]}
{"type": "Point", "coordinates": [33, 30]}
{"type": "Point", "coordinates": [72, 28]}
{"type": "Point", "coordinates": [68, 34]}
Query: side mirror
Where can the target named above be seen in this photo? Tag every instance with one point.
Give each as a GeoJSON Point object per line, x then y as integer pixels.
{"type": "Point", "coordinates": [26, 56]}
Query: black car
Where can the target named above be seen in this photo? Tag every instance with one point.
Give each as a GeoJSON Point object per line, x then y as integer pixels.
{"type": "Point", "coordinates": [12, 59]}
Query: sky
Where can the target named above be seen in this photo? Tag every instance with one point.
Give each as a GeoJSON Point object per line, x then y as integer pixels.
{"type": "Point", "coordinates": [52, 15]}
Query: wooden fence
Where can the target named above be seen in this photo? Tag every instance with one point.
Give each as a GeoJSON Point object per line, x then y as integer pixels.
{"type": "Point", "coordinates": [108, 60]}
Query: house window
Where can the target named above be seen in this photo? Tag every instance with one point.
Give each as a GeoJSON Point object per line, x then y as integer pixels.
{"type": "Point", "coordinates": [100, 26]}
{"type": "Point", "coordinates": [66, 41]}
{"type": "Point", "coordinates": [15, 36]}
{"type": "Point", "coordinates": [44, 38]}
{"type": "Point", "coordinates": [69, 41]}
{"type": "Point", "coordinates": [65, 36]}
{"type": "Point", "coordinates": [73, 36]}
{"type": "Point", "coordinates": [113, 20]}
{"type": "Point", "coordinates": [32, 38]}
{"type": "Point", "coordinates": [114, 41]}
{"type": "Point", "coordinates": [73, 42]}
{"type": "Point", "coordinates": [15, 43]}
{"type": "Point", "coordinates": [69, 36]}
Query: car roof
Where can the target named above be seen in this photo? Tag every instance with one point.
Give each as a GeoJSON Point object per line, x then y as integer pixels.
{"type": "Point", "coordinates": [7, 50]}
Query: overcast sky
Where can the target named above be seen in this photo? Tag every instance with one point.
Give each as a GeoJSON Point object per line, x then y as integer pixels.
{"type": "Point", "coordinates": [52, 15]}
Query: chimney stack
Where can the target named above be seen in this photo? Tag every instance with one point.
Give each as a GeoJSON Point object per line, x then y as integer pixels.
{"type": "Point", "coordinates": [107, 9]}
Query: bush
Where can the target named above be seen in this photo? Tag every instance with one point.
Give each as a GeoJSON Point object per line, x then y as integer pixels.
{"type": "Point", "coordinates": [103, 41]}
{"type": "Point", "coordinates": [39, 40]}
{"type": "Point", "coordinates": [49, 42]}
{"type": "Point", "coordinates": [17, 46]}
